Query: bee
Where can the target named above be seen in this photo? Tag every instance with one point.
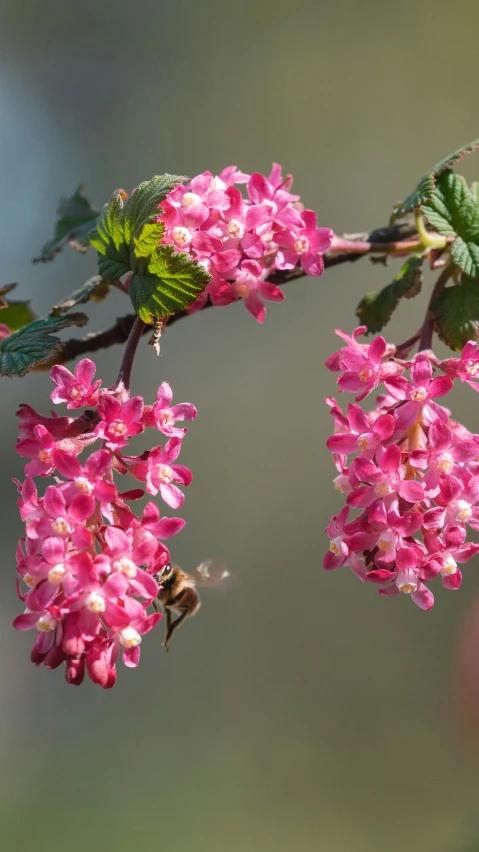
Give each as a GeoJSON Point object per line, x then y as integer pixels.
{"type": "Point", "coordinates": [178, 590]}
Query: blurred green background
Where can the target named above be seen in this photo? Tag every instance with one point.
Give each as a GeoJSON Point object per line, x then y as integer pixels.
{"type": "Point", "coordinates": [299, 713]}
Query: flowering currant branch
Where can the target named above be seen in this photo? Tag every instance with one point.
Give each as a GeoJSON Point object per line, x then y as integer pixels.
{"type": "Point", "coordinates": [394, 239]}
{"type": "Point", "coordinates": [88, 565]}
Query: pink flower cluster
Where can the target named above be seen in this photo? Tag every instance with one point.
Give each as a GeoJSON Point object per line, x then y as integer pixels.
{"type": "Point", "coordinates": [410, 471]}
{"type": "Point", "coordinates": [241, 240]}
{"type": "Point", "coordinates": [87, 563]}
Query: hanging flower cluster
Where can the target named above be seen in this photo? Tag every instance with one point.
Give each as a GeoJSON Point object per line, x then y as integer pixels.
{"type": "Point", "coordinates": [410, 471]}
{"type": "Point", "coordinates": [240, 240]}
{"type": "Point", "coordinates": [87, 563]}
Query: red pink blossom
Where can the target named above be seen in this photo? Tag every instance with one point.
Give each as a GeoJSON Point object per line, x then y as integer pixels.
{"type": "Point", "coordinates": [241, 238]}
{"type": "Point", "coordinates": [87, 563]}
{"type": "Point", "coordinates": [408, 470]}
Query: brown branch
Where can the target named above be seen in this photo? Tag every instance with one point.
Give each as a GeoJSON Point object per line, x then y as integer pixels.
{"type": "Point", "coordinates": [380, 240]}
{"type": "Point", "coordinates": [427, 329]}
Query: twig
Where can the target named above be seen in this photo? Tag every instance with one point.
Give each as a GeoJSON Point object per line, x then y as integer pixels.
{"type": "Point", "coordinates": [124, 376]}
{"type": "Point", "coordinates": [427, 330]}
{"type": "Point", "coordinates": [402, 350]}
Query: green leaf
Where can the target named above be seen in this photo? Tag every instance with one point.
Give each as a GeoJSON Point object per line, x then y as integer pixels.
{"type": "Point", "coordinates": [76, 217]}
{"type": "Point", "coordinates": [127, 228]}
{"type": "Point", "coordinates": [466, 255]}
{"type": "Point", "coordinates": [422, 193]}
{"type": "Point", "coordinates": [425, 188]}
{"type": "Point", "coordinates": [95, 289]}
{"type": "Point", "coordinates": [172, 283]}
{"type": "Point", "coordinates": [148, 239]}
{"type": "Point", "coordinates": [34, 344]}
{"type": "Point", "coordinates": [375, 309]}
{"type": "Point", "coordinates": [456, 313]}
{"type": "Point", "coordinates": [109, 240]}
{"type": "Point", "coordinates": [454, 211]}
{"type": "Point", "coordinates": [16, 315]}
{"type": "Point", "coordinates": [453, 158]}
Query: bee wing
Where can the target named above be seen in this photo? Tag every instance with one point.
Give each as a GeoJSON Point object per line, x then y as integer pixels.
{"type": "Point", "coordinates": [212, 572]}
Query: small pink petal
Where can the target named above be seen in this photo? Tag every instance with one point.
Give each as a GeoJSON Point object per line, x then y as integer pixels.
{"type": "Point", "coordinates": [117, 541]}
{"type": "Point", "coordinates": [377, 349]}
{"type": "Point", "coordinates": [67, 464]}
{"type": "Point", "coordinates": [313, 264]}
{"type": "Point", "coordinates": [270, 291]}
{"type": "Point", "coordinates": [406, 559]}
{"type": "Point", "coordinates": [342, 443]}
{"type": "Point", "coordinates": [54, 502]}
{"type": "Point", "coordinates": [259, 188]}
{"type": "Point", "coordinates": [410, 490]}
{"type": "Point", "coordinates": [144, 585]}
{"type": "Point", "coordinates": [131, 656]}
{"type": "Point", "coordinates": [332, 561]}
{"type": "Point", "coordinates": [452, 581]}
{"type": "Point", "coordinates": [26, 621]}
{"type": "Point", "coordinates": [97, 464]}
{"type": "Point", "coordinates": [170, 452]}
{"type": "Point", "coordinates": [384, 426]}
{"type": "Point", "coordinates": [182, 474]}
{"type": "Point", "coordinates": [440, 386]}
{"type": "Point", "coordinates": [421, 371]}
{"type": "Point", "coordinates": [172, 496]}
{"type": "Point", "coordinates": [391, 459]}
{"type": "Point", "coordinates": [423, 597]}
{"type": "Point", "coordinates": [106, 492]}
{"type": "Point", "coordinates": [167, 527]}
{"type": "Point", "coordinates": [255, 306]}
{"type": "Point", "coordinates": [380, 575]}
{"type": "Point", "coordinates": [440, 435]}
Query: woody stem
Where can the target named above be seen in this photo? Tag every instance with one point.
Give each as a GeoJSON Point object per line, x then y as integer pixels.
{"type": "Point", "coordinates": [341, 245]}
{"type": "Point", "coordinates": [124, 376]}
{"type": "Point", "coordinates": [427, 330]}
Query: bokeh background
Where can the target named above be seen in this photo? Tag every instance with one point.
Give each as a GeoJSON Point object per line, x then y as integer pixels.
{"type": "Point", "coordinates": [299, 713]}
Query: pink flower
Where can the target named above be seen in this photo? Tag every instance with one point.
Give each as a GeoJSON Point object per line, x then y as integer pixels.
{"type": "Point", "coordinates": [457, 502]}
{"type": "Point", "coordinates": [163, 415]}
{"type": "Point", "coordinates": [39, 449]}
{"type": "Point", "coordinates": [161, 473]}
{"type": "Point", "coordinates": [306, 244]}
{"type": "Point", "coordinates": [363, 366]}
{"type": "Point", "coordinates": [61, 519]}
{"type": "Point", "coordinates": [130, 637]}
{"type": "Point", "coordinates": [92, 478]}
{"type": "Point", "coordinates": [250, 287]}
{"type": "Point", "coordinates": [443, 454]}
{"type": "Point", "coordinates": [119, 421]}
{"type": "Point", "coordinates": [386, 478]}
{"type": "Point", "coordinates": [405, 580]}
{"type": "Point", "coordinates": [338, 552]}
{"type": "Point", "coordinates": [466, 368]}
{"type": "Point", "coordinates": [76, 390]}
{"type": "Point", "coordinates": [420, 393]}
{"type": "Point", "coordinates": [161, 528]}
{"type": "Point", "coordinates": [126, 552]}
{"type": "Point", "coordinates": [362, 433]}
{"type": "Point", "coordinates": [61, 572]}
